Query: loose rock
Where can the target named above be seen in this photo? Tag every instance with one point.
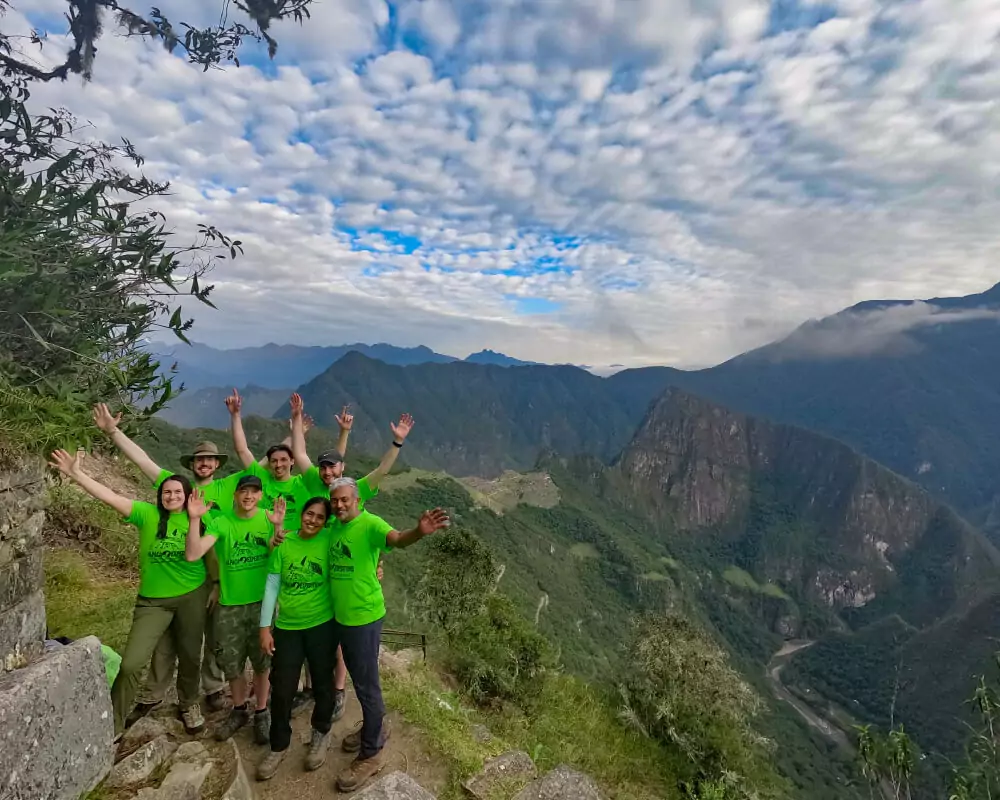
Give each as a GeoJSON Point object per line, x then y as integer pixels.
{"type": "Point", "coordinates": [507, 770]}
{"type": "Point", "coordinates": [394, 786]}
{"type": "Point", "coordinates": [563, 783]}
{"type": "Point", "coordinates": [241, 788]}
{"type": "Point", "coordinates": [144, 730]}
{"type": "Point", "coordinates": [190, 751]}
{"type": "Point", "coordinates": [141, 764]}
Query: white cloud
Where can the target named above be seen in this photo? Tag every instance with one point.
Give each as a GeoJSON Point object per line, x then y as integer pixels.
{"type": "Point", "coordinates": [678, 181]}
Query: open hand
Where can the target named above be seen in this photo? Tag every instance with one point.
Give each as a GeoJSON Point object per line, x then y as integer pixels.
{"type": "Point", "coordinates": [234, 403]}
{"type": "Point", "coordinates": [196, 505]}
{"type": "Point", "coordinates": [433, 521]}
{"type": "Point", "coordinates": [104, 420]}
{"type": "Point", "coordinates": [266, 641]}
{"type": "Point", "coordinates": [345, 419]}
{"type": "Point", "coordinates": [297, 405]}
{"type": "Point", "coordinates": [402, 428]}
{"type": "Point", "coordinates": [68, 465]}
{"type": "Point", "coordinates": [276, 515]}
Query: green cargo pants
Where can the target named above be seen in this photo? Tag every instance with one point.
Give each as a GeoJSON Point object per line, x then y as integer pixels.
{"type": "Point", "coordinates": [184, 617]}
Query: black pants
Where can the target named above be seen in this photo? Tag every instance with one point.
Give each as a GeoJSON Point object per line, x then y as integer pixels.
{"type": "Point", "coordinates": [360, 647]}
{"type": "Point", "coordinates": [318, 647]}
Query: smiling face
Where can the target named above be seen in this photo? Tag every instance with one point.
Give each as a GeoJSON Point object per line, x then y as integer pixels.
{"type": "Point", "coordinates": [204, 467]}
{"type": "Point", "coordinates": [312, 520]}
{"type": "Point", "coordinates": [247, 498]}
{"type": "Point", "coordinates": [280, 464]}
{"type": "Point", "coordinates": [344, 500]}
{"type": "Point", "coordinates": [328, 472]}
{"type": "Point", "coordinates": [172, 495]}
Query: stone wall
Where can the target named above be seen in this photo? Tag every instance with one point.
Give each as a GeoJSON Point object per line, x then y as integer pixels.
{"type": "Point", "coordinates": [56, 726]}
{"type": "Point", "coordinates": [22, 603]}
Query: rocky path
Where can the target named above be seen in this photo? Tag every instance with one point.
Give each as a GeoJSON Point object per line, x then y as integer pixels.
{"type": "Point", "coordinates": [406, 753]}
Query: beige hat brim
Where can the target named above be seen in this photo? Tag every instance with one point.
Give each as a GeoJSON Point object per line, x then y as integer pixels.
{"type": "Point", "coordinates": [187, 459]}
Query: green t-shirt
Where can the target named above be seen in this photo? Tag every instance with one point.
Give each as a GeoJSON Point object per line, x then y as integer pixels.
{"type": "Point", "coordinates": [354, 552]}
{"type": "Point", "coordinates": [163, 569]}
{"type": "Point", "coordinates": [304, 596]}
{"type": "Point", "coordinates": [312, 486]}
{"type": "Point", "coordinates": [242, 548]}
{"type": "Point", "coordinates": [218, 494]}
{"type": "Point", "coordinates": [291, 490]}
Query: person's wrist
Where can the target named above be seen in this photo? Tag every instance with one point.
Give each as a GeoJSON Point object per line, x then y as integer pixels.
{"type": "Point", "coordinates": [398, 442]}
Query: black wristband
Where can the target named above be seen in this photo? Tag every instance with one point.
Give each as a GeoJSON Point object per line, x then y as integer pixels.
{"type": "Point", "coordinates": [396, 444]}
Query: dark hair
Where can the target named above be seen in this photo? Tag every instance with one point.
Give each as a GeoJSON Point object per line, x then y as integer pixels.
{"type": "Point", "coordinates": [312, 501]}
{"type": "Point", "coordinates": [276, 447]}
{"type": "Point", "coordinates": [161, 528]}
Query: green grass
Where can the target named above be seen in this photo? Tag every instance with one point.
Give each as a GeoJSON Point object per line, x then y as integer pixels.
{"type": "Point", "coordinates": [570, 724]}
{"type": "Point", "coordinates": [744, 580]}
{"type": "Point", "coordinates": [79, 601]}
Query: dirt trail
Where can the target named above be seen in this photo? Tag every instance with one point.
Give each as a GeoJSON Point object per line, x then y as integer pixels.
{"type": "Point", "coordinates": [405, 753]}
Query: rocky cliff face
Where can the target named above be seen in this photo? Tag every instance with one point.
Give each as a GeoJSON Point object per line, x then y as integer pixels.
{"type": "Point", "coordinates": [849, 529]}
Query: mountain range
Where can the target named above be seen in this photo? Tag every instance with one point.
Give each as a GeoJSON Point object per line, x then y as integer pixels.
{"type": "Point", "coordinates": [913, 385]}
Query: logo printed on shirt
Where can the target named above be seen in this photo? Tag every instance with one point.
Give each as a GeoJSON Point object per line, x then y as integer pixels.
{"type": "Point", "coordinates": [304, 576]}
{"type": "Point", "coordinates": [248, 553]}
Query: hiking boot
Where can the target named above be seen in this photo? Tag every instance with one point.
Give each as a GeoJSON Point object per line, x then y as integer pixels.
{"type": "Point", "coordinates": [140, 710]}
{"type": "Point", "coordinates": [193, 721]}
{"type": "Point", "coordinates": [352, 742]}
{"type": "Point", "coordinates": [318, 746]}
{"type": "Point", "coordinates": [301, 700]}
{"type": "Point", "coordinates": [216, 701]}
{"type": "Point", "coordinates": [262, 726]}
{"type": "Point", "coordinates": [360, 772]}
{"type": "Point", "coordinates": [339, 701]}
{"type": "Point", "coordinates": [270, 764]}
{"type": "Point", "coordinates": [238, 717]}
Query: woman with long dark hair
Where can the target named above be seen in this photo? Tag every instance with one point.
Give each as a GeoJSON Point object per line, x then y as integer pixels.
{"type": "Point", "coordinates": [172, 590]}
{"type": "Point", "coordinates": [298, 581]}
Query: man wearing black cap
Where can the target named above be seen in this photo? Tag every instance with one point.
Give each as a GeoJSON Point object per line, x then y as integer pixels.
{"type": "Point", "coordinates": [276, 478]}
{"type": "Point", "coordinates": [242, 539]}
{"type": "Point", "coordinates": [203, 463]}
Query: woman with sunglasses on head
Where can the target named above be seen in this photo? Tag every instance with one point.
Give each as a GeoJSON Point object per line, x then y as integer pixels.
{"type": "Point", "coordinates": [172, 590]}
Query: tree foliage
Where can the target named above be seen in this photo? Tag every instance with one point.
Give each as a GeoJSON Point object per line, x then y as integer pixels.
{"type": "Point", "coordinates": [683, 691]}
{"type": "Point", "coordinates": [207, 47]}
{"type": "Point", "coordinates": [87, 269]}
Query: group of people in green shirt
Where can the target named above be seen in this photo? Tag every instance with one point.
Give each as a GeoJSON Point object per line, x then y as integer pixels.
{"type": "Point", "coordinates": [278, 564]}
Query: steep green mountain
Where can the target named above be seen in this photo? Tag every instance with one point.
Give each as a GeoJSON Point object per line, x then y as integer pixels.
{"type": "Point", "coordinates": [806, 513]}
{"type": "Point", "coordinates": [473, 419]}
{"type": "Point", "coordinates": [914, 385]}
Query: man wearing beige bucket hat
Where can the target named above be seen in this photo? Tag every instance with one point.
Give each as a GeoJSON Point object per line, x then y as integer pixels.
{"type": "Point", "coordinates": [203, 463]}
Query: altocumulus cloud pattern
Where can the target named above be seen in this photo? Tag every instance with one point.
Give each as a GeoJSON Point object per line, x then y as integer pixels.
{"type": "Point", "coordinates": [591, 181]}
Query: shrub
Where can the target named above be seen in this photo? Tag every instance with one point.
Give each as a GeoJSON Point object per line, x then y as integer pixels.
{"type": "Point", "coordinates": [683, 692]}
{"type": "Point", "coordinates": [498, 656]}
{"type": "Point", "coordinates": [461, 572]}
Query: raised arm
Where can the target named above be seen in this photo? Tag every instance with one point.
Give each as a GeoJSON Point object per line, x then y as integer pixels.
{"type": "Point", "coordinates": [345, 419]}
{"type": "Point", "coordinates": [70, 467]}
{"type": "Point", "coordinates": [196, 545]}
{"type": "Point", "coordinates": [299, 453]}
{"type": "Point", "coordinates": [109, 424]}
{"type": "Point", "coordinates": [276, 516]}
{"type": "Point", "coordinates": [399, 433]}
{"type": "Point", "coordinates": [234, 403]}
{"type": "Point", "coordinates": [429, 522]}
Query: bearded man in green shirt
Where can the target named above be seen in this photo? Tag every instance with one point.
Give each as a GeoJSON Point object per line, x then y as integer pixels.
{"type": "Point", "coordinates": [356, 543]}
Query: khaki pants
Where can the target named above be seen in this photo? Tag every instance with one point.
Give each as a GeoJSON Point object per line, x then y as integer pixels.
{"type": "Point", "coordinates": [161, 668]}
{"type": "Point", "coordinates": [183, 618]}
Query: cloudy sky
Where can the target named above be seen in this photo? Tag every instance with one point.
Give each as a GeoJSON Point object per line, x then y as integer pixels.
{"type": "Point", "coordinates": [591, 181]}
